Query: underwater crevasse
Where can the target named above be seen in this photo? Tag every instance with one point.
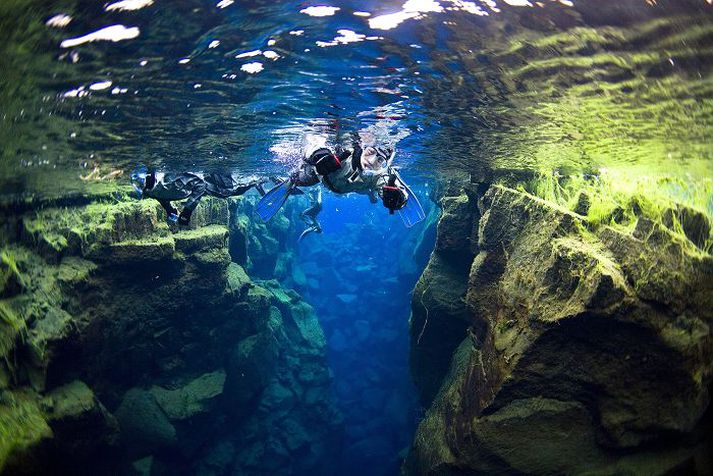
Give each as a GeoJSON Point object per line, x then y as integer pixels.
{"type": "Point", "coordinates": [561, 325]}
{"type": "Point", "coordinates": [359, 275]}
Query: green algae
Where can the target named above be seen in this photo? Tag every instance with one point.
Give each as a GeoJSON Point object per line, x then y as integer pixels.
{"type": "Point", "coordinates": [22, 424]}
{"type": "Point", "coordinates": [619, 200]}
{"type": "Point", "coordinates": [12, 280]}
{"type": "Point", "coordinates": [11, 327]}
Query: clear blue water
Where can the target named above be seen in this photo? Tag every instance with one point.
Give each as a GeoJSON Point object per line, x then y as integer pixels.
{"type": "Point", "coordinates": [366, 267]}
{"type": "Point", "coordinates": [240, 86]}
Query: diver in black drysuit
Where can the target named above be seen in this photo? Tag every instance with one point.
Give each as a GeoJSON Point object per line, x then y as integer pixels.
{"type": "Point", "coordinates": [309, 216]}
{"type": "Point", "coordinates": [367, 171]}
{"type": "Point", "coordinates": [192, 186]}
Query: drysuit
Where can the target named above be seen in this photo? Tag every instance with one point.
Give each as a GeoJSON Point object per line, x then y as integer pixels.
{"type": "Point", "coordinates": [166, 187]}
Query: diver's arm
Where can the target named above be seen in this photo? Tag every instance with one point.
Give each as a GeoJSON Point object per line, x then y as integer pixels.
{"type": "Point", "coordinates": [305, 176]}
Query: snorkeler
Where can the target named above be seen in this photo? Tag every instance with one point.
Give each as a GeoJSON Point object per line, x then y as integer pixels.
{"type": "Point", "coordinates": [365, 171]}
{"type": "Point", "coordinates": [192, 186]}
{"type": "Point", "coordinates": [309, 216]}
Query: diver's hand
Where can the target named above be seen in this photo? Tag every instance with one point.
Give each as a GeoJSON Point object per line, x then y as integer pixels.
{"type": "Point", "coordinates": [393, 198]}
{"type": "Point", "coordinates": [172, 218]}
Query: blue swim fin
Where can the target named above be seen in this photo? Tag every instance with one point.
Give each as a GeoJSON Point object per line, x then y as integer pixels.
{"type": "Point", "coordinates": [274, 199]}
{"type": "Point", "coordinates": [412, 212]}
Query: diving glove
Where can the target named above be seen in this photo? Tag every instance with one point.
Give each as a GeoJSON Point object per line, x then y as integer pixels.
{"type": "Point", "coordinates": [393, 197]}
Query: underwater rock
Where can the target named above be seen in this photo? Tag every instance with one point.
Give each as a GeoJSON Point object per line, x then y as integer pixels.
{"type": "Point", "coordinates": [455, 226]}
{"type": "Point", "coordinates": [298, 276]}
{"type": "Point", "coordinates": [145, 466]}
{"type": "Point", "coordinates": [11, 281]}
{"type": "Point", "coordinates": [338, 342]}
{"type": "Point", "coordinates": [347, 298]}
{"type": "Point", "coordinates": [208, 237]}
{"type": "Point", "coordinates": [139, 317]}
{"type": "Point", "coordinates": [439, 317]}
{"type": "Point", "coordinates": [584, 202]}
{"type": "Point", "coordinates": [80, 423]}
{"type": "Point", "coordinates": [238, 280]}
{"type": "Point", "coordinates": [585, 350]}
{"type": "Point", "coordinates": [24, 432]}
{"type": "Point", "coordinates": [695, 225]}
{"type": "Point", "coordinates": [145, 428]}
{"type": "Point", "coordinates": [197, 396]}
{"type": "Point", "coordinates": [250, 369]}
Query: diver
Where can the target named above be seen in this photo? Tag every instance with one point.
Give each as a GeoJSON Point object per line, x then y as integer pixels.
{"type": "Point", "coordinates": [309, 216]}
{"type": "Point", "coordinates": [192, 186]}
{"type": "Point", "coordinates": [366, 171]}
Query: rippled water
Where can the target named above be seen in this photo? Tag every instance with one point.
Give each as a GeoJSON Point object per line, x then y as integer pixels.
{"type": "Point", "coordinates": [461, 87]}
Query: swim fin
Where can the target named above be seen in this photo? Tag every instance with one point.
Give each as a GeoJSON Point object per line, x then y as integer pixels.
{"type": "Point", "coordinates": [412, 212]}
{"type": "Point", "coordinates": [273, 200]}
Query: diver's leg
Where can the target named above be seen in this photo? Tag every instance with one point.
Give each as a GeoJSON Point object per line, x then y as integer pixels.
{"type": "Point", "coordinates": [170, 209]}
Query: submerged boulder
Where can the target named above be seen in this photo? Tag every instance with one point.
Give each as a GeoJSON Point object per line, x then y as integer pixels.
{"type": "Point", "coordinates": [194, 398]}
{"type": "Point", "coordinates": [145, 427]}
{"type": "Point", "coordinates": [251, 366]}
{"type": "Point", "coordinates": [586, 349]}
{"type": "Point", "coordinates": [439, 318]}
{"type": "Point", "coordinates": [80, 423]}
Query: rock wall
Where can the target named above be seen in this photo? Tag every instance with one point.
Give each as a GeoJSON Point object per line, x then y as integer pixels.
{"type": "Point", "coordinates": [546, 345]}
{"type": "Point", "coordinates": [131, 348]}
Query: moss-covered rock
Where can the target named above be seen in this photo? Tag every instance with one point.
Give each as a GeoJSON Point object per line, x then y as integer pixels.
{"type": "Point", "coordinates": [208, 237]}
{"type": "Point", "coordinates": [140, 316]}
{"type": "Point", "coordinates": [439, 318]}
{"type": "Point", "coordinates": [80, 423]}
{"type": "Point", "coordinates": [23, 428]}
{"type": "Point", "coordinates": [576, 337]}
{"type": "Point", "coordinates": [11, 280]}
{"type": "Point", "coordinates": [251, 367]}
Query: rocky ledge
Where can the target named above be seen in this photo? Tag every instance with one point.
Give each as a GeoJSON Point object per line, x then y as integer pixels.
{"type": "Point", "coordinates": [130, 348]}
{"type": "Point", "coordinates": [543, 344]}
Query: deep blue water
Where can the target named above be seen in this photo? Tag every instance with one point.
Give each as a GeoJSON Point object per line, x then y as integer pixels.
{"type": "Point", "coordinates": [366, 264]}
{"type": "Point", "coordinates": [239, 86]}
